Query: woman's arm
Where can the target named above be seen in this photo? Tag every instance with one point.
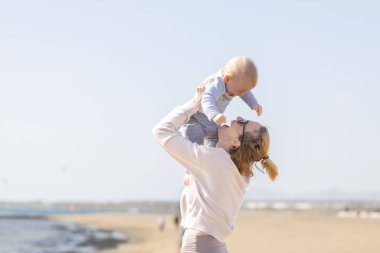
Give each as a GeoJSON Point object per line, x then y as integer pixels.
{"type": "Point", "coordinates": [171, 140]}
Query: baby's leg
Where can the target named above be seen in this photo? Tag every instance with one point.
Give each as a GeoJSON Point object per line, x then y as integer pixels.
{"type": "Point", "coordinates": [211, 134]}
{"type": "Point", "coordinates": [194, 132]}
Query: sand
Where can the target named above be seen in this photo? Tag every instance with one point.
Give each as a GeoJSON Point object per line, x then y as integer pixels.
{"type": "Point", "coordinates": [265, 232]}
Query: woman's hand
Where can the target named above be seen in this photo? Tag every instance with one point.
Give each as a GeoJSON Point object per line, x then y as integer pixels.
{"type": "Point", "coordinates": [198, 95]}
{"type": "Point", "coordinates": [200, 90]}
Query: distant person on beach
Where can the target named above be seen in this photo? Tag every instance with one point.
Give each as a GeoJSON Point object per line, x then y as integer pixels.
{"type": "Point", "coordinates": [161, 223]}
{"type": "Point", "coordinates": [220, 174]}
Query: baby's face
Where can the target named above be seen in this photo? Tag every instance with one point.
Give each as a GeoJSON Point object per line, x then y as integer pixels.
{"type": "Point", "coordinates": [239, 85]}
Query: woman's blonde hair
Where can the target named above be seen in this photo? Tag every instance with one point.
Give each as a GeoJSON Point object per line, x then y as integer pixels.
{"type": "Point", "coordinates": [254, 149]}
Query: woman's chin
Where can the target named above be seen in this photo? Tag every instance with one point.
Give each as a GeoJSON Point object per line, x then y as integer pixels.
{"type": "Point", "coordinates": [221, 129]}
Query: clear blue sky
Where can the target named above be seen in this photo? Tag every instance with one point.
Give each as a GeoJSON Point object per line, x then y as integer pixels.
{"type": "Point", "coordinates": [83, 82]}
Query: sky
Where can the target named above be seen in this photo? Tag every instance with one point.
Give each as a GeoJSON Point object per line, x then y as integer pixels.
{"type": "Point", "coordinates": [82, 83]}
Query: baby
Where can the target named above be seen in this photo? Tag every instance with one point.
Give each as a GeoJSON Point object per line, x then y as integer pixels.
{"type": "Point", "coordinates": [237, 77]}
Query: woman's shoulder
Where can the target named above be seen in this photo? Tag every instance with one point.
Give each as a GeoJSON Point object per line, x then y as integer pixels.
{"type": "Point", "coordinates": [210, 157]}
{"type": "Point", "coordinates": [217, 160]}
{"type": "Point", "coordinates": [213, 151]}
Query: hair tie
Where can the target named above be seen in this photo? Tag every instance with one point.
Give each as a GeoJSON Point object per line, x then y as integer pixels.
{"type": "Point", "coordinates": [265, 157]}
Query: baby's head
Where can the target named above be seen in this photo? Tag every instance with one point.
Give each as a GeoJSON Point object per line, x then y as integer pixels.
{"type": "Point", "coordinates": [240, 75]}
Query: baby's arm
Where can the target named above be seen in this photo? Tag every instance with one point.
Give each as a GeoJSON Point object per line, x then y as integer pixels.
{"type": "Point", "coordinates": [210, 96]}
{"type": "Point", "coordinates": [251, 101]}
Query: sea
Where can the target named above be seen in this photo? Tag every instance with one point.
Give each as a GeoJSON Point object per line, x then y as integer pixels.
{"type": "Point", "coordinates": [29, 230]}
{"type": "Point", "coordinates": [24, 230]}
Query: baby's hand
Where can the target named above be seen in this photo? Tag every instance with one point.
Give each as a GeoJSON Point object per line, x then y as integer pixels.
{"type": "Point", "coordinates": [258, 109]}
{"type": "Point", "coordinates": [219, 119]}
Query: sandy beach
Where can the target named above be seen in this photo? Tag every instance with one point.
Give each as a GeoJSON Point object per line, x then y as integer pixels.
{"type": "Point", "coordinates": [256, 232]}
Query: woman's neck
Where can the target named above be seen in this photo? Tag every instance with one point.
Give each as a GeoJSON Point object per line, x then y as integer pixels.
{"type": "Point", "coordinates": [223, 145]}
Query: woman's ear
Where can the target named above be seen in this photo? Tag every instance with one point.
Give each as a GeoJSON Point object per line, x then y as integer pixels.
{"type": "Point", "coordinates": [235, 143]}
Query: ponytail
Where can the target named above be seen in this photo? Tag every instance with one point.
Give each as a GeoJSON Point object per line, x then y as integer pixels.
{"type": "Point", "coordinates": [270, 167]}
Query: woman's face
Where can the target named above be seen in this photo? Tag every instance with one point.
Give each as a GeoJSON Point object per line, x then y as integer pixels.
{"type": "Point", "coordinates": [232, 132]}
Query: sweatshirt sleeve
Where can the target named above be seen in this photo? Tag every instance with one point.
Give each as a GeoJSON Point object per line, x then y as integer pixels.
{"type": "Point", "coordinates": [210, 96]}
{"type": "Point", "coordinates": [166, 132]}
{"type": "Point", "coordinates": [249, 99]}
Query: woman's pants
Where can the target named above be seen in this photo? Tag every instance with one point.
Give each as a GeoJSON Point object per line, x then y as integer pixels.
{"type": "Point", "coordinates": [197, 243]}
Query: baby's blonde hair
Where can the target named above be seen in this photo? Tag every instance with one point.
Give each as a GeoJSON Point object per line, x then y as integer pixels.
{"type": "Point", "coordinates": [238, 67]}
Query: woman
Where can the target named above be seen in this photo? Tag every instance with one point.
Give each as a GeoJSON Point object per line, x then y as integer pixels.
{"type": "Point", "coordinates": [219, 176]}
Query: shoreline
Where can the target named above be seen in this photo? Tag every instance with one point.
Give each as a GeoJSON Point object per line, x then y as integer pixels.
{"type": "Point", "coordinates": [35, 234]}
{"type": "Point", "coordinates": [141, 230]}
{"type": "Point", "coordinates": [256, 231]}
